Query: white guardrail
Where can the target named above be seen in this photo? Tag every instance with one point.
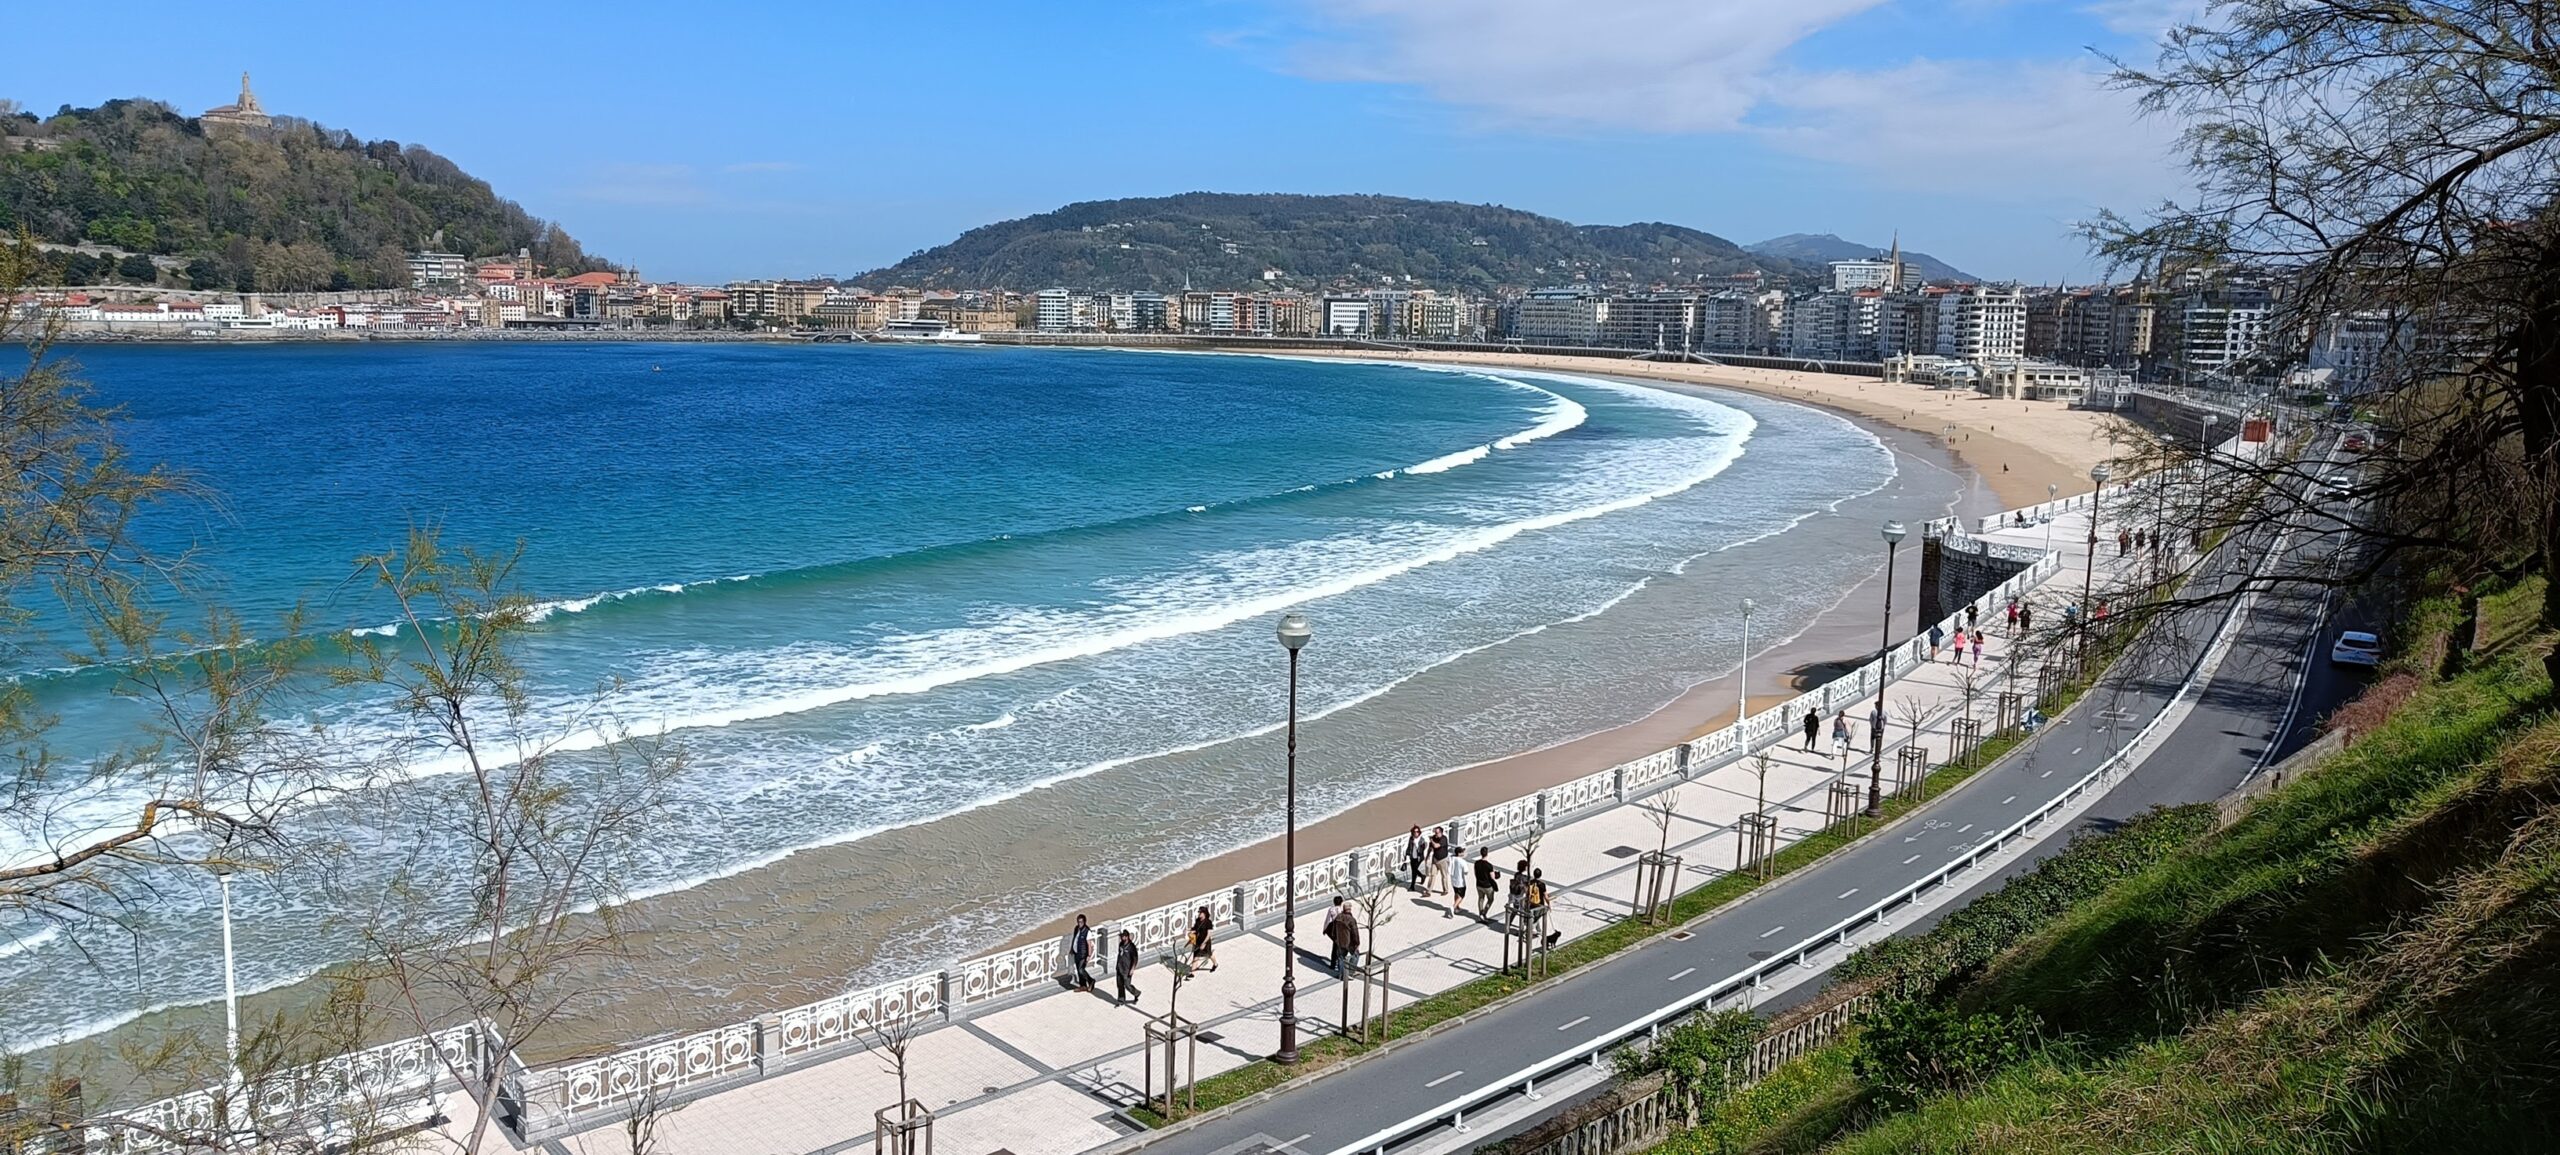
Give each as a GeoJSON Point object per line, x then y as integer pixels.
{"type": "Point", "coordinates": [545, 1103]}
{"type": "Point", "coordinates": [1837, 934]}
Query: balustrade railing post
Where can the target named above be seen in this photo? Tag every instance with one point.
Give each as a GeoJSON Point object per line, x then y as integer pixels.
{"type": "Point", "coordinates": [1618, 780]}
{"type": "Point", "coordinates": [1244, 910]}
{"type": "Point", "coordinates": [768, 1040]}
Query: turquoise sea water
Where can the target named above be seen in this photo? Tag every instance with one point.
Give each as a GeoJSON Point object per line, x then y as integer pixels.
{"type": "Point", "coordinates": [865, 587]}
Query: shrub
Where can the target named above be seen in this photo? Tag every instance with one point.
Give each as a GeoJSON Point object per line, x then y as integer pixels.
{"type": "Point", "coordinates": [1910, 1048]}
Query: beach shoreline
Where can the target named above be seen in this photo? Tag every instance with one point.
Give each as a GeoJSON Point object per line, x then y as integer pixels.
{"type": "Point", "coordinates": [669, 931]}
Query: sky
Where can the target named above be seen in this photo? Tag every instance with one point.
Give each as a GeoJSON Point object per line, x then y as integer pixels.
{"type": "Point", "coordinates": [827, 139]}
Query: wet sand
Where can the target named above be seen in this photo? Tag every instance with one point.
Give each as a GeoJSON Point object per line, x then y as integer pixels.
{"type": "Point", "coordinates": [811, 923]}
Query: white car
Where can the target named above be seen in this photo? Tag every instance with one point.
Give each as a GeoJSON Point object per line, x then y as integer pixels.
{"type": "Point", "coordinates": [2340, 484]}
{"type": "Point", "coordinates": [2356, 648]}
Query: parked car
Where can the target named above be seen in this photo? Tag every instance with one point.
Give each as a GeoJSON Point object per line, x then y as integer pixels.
{"type": "Point", "coordinates": [2356, 648]}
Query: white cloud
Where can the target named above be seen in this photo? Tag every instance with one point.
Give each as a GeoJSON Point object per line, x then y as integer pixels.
{"type": "Point", "coordinates": [1672, 66]}
{"type": "Point", "coordinates": [1998, 128]}
{"type": "Point", "coordinates": [2009, 128]}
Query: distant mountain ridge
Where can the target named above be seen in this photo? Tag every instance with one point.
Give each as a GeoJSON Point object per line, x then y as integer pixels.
{"type": "Point", "coordinates": [1229, 241]}
{"type": "Point", "coordinates": [1820, 249]}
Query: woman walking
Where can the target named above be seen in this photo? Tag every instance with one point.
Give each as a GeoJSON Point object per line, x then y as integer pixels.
{"type": "Point", "coordinates": [1812, 731]}
{"type": "Point", "coordinates": [1203, 952]}
{"type": "Point", "coordinates": [1840, 736]}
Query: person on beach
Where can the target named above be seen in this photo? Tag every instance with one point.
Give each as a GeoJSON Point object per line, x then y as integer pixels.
{"type": "Point", "coordinates": [1937, 639]}
{"type": "Point", "coordinates": [1415, 849]}
{"type": "Point", "coordinates": [1080, 949]}
{"type": "Point", "coordinates": [1126, 964]}
{"type": "Point", "coordinates": [1485, 878]}
{"type": "Point", "coordinates": [1439, 879]}
{"type": "Point", "coordinates": [1457, 883]}
{"type": "Point", "coordinates": [1203, 953]}
{"type": "Point", "coordinates": [1840, 736]}
{"type": "Point", "coordinates": [1812, 731]}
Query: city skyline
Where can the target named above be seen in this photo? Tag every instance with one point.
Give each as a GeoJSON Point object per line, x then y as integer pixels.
{"type": "Point", "coordinates": [1978, 130]}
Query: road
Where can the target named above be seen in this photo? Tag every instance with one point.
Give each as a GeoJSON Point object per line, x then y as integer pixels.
{"type": "Point", "coordinates": [2232, 727]}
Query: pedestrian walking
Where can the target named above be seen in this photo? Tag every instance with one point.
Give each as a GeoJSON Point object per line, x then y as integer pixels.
{"type": "Point", "coordinates": [1439, 880]}
{"type": "Point", "coordinates": [1973, 617]}
{"type": "Point", "coordinates": [1080, 949]}
{"type": "Point", "coordinates": [1840, 736]}
{"type": "Point", "coordinates": [1958, 656]}
{"type": "Point", "coordinates": [1977, 651]}
{"type": "Point", "coordinates": [1457, 883]}
{"type": "Point", "coordinates": [1350, 938]}
{"type": "Point", "coordinates": [2026, 618]}
{"type": "Point", "coordinates": [1416, 848]}
{"type": "Point", "coordinates": [1517, 902]}
{"type": "Point", "coordinates": [1875, 728]}
{"type": "Point", "coordinates": [1812, 730]}
{"type": "Point", "coordinates": [1486, 876]}
{"type": "Point", "coordinates": [1333, 932]}
{"type": "Point", "coordinates": [1203, 952]}
{"type": "Point", "coordinates": [2124, 542]}
{"type": "Point", "coordinates": [1538, 904]}
{"type": "Point", "coordinates": [1937, 638]}
{"type": "Point", "coordinates": [2013, 615]}
{"type": "Point", "coordinates": [1125, 962]}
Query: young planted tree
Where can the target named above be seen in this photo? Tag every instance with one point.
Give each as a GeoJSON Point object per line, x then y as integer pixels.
{"type": "Point", "coordinates": [533, 836]}
{"type": "Point", "coordinates": [892, 1038]}
{"type": "Point", "coordinates": [1657, 881]}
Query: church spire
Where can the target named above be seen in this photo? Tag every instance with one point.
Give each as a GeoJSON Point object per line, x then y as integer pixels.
{"type": "Point", "coordinates": [1896, 261]}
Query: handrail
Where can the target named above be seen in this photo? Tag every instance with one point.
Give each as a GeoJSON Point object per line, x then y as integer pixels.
{"type": "Point", "coordinates": [1836, 933]}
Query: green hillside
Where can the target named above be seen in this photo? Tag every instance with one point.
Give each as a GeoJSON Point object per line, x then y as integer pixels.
{"type": "Point", "coordinates": [1228, 240]}
{"type": "Point", "coordinates": [2367, 960]}
{"type": "Point", "coordinates": [290, 207]}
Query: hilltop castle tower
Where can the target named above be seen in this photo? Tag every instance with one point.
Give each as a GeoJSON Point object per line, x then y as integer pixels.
{"type": "Point", "coordinates": [246, 114]}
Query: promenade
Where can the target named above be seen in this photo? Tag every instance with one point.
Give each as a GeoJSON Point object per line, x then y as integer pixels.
{"type": "Point", "coordinates": [1045, 1073]}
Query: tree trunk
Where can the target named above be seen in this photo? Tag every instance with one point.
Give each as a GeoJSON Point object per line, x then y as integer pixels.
{"type": "Point", "coordinates": [2538, 403]}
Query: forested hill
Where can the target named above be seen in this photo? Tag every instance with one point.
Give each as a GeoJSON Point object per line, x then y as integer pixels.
{"type": "Point", "coordinates": [290, 206]}
{"type": "Point", "coordinates": [1229, 240]}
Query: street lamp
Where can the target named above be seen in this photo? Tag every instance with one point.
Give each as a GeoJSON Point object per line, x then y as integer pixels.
{"type": "Point", "coordinates": [2204, 473]}
{"type": "Point", "coordinates": [1893, 532]}
{"type": "Point", "coordinates": [1742, 696]}
{"type": "Point", "coordinates": [2051, 488]}
{"type": "Point", "coordinates": [1293, 637]}
{"type": "Point", "coordinates": [2089, 570]}
{"type": "Point", "coordinates": [230, 983]}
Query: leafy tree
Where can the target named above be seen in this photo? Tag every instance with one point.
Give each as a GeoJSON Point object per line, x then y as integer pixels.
{"type": "Point", "coordinates": [138, 269]}
{"type": "Point", "coordinates": [2396, 163]}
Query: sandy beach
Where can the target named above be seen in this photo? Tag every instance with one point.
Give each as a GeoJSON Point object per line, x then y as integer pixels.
{"type": "Point", "coordinates": [804, 926]}
{"type": "Point", "coordinates": [2018, 447]}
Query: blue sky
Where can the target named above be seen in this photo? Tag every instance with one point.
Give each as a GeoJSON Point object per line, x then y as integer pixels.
{"type": "Point", "coordinates": [828, 139]}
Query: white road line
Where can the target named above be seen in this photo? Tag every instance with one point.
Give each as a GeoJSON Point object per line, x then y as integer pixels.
{"type": "Point", "coordinates": [1682, 975]}
{"type": "Point", "coordinates": [2008, 800]}
{"type": "Point", "coordinates": [2046, 774]}
{"type": "Point", "coordinates": [1299, 1139]}
{"type": "Point", "coordinates": [1908, 861]}
{"type": "Point", "coordinates": [1773, 930]}
{"type": "Point", "coordinates": [1444, 1078]}
{"type": "Point", "coordinates": [1963, 828]}
{"type": "Point", "coordinates": [2076, 749]}
{"type": "Point", "coordinates": [1573, 1024]}
{"type": "Point", "coordinates": [1848, 892]}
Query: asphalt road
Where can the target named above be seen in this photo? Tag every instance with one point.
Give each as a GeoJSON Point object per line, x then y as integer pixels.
{"type": "Point", "coordinates": [2203, 758]}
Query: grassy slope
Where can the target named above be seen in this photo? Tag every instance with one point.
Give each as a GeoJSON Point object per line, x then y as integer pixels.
{"type": "Point", "coordinates": [2368, 961]}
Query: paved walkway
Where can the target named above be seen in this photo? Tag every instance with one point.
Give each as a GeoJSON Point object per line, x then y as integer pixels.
{"type": "Point", "coordinates": [1043, 1076]}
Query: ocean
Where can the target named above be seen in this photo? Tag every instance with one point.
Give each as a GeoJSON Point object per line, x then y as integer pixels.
{"type": "Point", "coordinates": [870, 591]}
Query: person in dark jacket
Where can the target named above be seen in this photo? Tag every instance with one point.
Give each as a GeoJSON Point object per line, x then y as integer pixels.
{"type": "Point", "coordinates": [1812, 729]}
{"type": "Point", "coordinates": [1126, 963]}
{"type": "Point", "coordinates": [1203, 954]}
{"type": "Point", "coordinates": [1486, 876]}
{"type": "Point", "coordinates": [1080, 949]}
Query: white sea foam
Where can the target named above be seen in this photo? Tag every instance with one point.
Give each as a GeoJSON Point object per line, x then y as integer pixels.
{"type": "Point", "coordinates": [1195, 509]}
{"type": "Point", "coordinates": [996, 723]}
{"type": "Point", "coordinates": [1449, 461]}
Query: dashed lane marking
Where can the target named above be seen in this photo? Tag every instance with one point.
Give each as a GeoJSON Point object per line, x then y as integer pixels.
{"type": "Point", "coordinates": [1773, 930]}
{"type": "Point", "coordinates": [1908, 861]}
{"type": "Point", "coordinates": [1573, 1024]}
{"type": "Point", "coordinates": [1848, 892]}
{"type": "Point", "coordinates": [1444, 1078]}
{"type": "Point", "coordinates": [1682, 975]}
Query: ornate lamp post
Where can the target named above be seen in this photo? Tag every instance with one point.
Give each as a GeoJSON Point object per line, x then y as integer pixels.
{"type": "Point", "coordinates": [1893, 532]}
{"type": "Point", "coordinates": [1742, 696]}
{"type": "Point", "coordinates": [1294, 633]}
{"type": "Point", "coordinates": [2089, 571]}
{"type": "Point", "coordinates": [2050, 490]}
